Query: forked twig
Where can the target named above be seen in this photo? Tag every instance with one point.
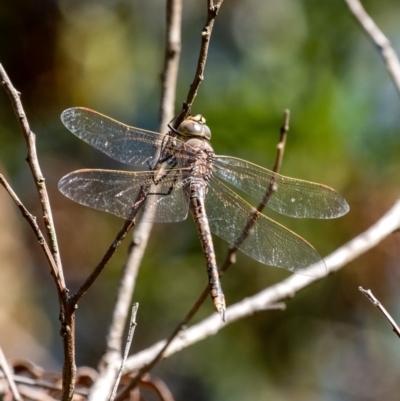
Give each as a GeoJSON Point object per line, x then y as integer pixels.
{"type": "Point", "coordinates": [375, 302]}
{"type": "Point", "coordinates": [67, 313]}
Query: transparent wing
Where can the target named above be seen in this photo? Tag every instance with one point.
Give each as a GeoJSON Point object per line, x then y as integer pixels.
{"type": "Point", "coordinates": [116, 192]}
{"type": "Point", "coordinates": [119, 141]}
{"type": "Point", "coordinates": [268, 242]}
{"type": "Point", "coordinates": [292, 197]}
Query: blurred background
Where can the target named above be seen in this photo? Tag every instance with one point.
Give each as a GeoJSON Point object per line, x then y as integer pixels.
{"type": "Point", "coordinates": [265, 56]}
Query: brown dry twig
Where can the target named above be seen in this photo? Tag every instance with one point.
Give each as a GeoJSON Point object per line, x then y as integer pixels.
{"type": "Point", "coordinates": [32, 222]}
{"type": "Point", "coordinates": [128, 224]}
{"type": "Point", "coordinates": [375, 302]}
{"type": "Point", "coordinates": [212, 12]}
{"type": "Point", "coordinates": [280, 150]}
{"type": "Point", "coordinates": [67, 312]}
{"type": "Point", "coordinates": [33, 162]}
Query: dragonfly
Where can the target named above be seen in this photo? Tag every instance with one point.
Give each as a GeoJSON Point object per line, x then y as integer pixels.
{"type": "Point", "coordinates": [183, 173]}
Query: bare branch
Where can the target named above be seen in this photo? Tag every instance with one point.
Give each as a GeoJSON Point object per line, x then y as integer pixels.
{"type": "Point", "coordinates": [33, 162]}
{"type": "Point", "coordinates": [271, 188]}
{"type": "Point", "coordinates": [286, 289]}
{"type": "Point", "coordinates": [379, 39]}
{"type": "Point", "coordinates": [112, 357]}
{"type": "Point", "coordinates": [142, 231]}
{"type": "Point", "coordinates": [67, 317]}
{"type": "Point", "coordinates": [131, 332]}
{"type": "Point", "coordinates": [212, 12]}
{"type": "Point", "coordinates": [172, 54]}
{"type": "Point", "coordinates": [128, 224]}
{"type": "Point", "coordinates": [375, 302]}
{"type": "Point", "coordinates": [280, 148]}
{"type": "Point", "coordinates": [32, 222]}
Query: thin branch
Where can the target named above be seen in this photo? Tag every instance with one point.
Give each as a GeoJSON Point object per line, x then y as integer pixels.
{"type": "Point", "coordinates": [375, 302]}
{"type": "Point", "coordinates": [112, 357]}
{"type": "Point", "coordinates": [67, 332]}
{"type": "Point", "coordinates": [172, 54]}
{"type": "Point", "coordinates": [128, 224]}
{"type": "Point", "coordinates": [9, 377]}
{"type": "Point", "coordinates": [131, 332]}
{"type": "Point", "coordinates": [286, 289]}
{"type": "Point", "coordinates": [33, 162]}
{"type": "Point", "coordinates": [32, 222]}
{"type": "Point", "coordinates": [271, 188]}
{"type": "Point", "coordinates": [381, 42]}
{"type": "Point", "coordinates": [66, 316]}
{"type": "Point", "coordinates": [142, 231]}
{"type": "Point", "coordinates": [280, 148]}
{"type": "Point", "coordinates": [212, 12]}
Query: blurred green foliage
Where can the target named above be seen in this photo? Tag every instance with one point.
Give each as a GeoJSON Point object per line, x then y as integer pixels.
{"type": "Point", "coordinates": [265, 56]}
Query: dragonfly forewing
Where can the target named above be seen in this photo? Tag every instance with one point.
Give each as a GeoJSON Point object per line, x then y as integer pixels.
{"type": "Point", "coordinates": [267, 241]}
{"type": "Point", "coordinates": [290, 196]}
{"type": "Point", "coordinates": [121, 142]}
{"type": "Point", "coordinates": [117, 191]}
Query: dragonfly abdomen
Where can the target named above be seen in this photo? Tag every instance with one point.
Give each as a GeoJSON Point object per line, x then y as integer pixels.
{"type": "Point", "coordinates": [196, 194]}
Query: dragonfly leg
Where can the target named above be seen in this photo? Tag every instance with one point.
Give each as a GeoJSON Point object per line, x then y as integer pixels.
{"type": "Point", "coordinates": [162, 160]}
{"type": "Point", "coordinates": [159, 179]}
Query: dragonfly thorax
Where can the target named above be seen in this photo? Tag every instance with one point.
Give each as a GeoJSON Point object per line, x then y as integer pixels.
{"type": "Point", "coordinates": [195, 126]}
{"type": "Point", "coordinates": [201, 158]}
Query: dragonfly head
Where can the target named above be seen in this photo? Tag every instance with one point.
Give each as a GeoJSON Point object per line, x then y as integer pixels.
{"type": "Point", "coordinates": [195, 126]}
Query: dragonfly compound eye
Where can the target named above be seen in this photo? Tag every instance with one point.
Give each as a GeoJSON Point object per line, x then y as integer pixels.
{"type": "Point", "coordinates": [195, 126]}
